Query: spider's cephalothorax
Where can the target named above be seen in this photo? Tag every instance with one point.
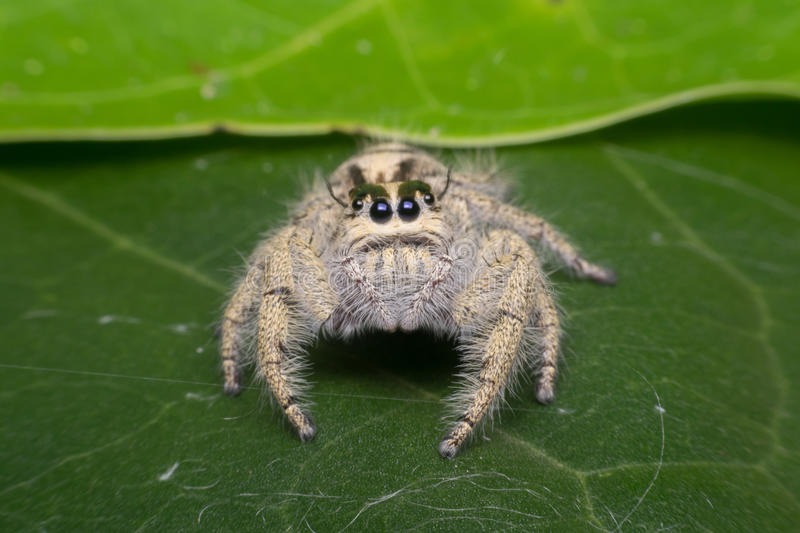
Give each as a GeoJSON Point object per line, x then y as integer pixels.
{"type": "Point", "coordinates": [399, 241]}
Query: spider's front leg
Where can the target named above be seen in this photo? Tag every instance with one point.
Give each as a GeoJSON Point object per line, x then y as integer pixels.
{"type": "Point", "coordinates": [291, 272]}
{"type": "Point", "coordinates": [495, 351]}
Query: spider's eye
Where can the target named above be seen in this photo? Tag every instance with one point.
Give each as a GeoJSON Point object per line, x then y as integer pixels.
{"type": "Point", "coordinates": [380, 211]}
{"type": "Point", "coordinates": [428, 198]}
{"type": "Point", "coordinates": [357, 204]}
{"type": "Point", "coordinates": [408, 209]}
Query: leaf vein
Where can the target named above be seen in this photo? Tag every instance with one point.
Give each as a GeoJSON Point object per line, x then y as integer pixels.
{"type": "Point", "coordinates": [751, 288]}
{"type": "Point", "coordinates": [116, 239]}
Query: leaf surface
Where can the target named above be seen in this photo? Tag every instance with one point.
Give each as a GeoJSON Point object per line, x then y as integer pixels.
{"type": "Point", "coordinates": [677, 404]}
{"type": "Point", "coordinates": [440, 72]}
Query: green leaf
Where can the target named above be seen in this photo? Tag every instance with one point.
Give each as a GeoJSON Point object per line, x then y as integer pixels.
{"type": "Point", "coordinates": [440, 72]}
{"type": "Point", "coordinates": [677, 405]}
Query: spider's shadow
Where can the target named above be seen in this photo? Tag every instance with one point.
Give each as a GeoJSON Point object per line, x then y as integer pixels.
{"type": "Point", "coordinates": [417, 358]}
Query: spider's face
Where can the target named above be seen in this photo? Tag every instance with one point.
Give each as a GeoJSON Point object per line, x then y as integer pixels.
{"type": "Point", "coordinates": [390, 194]}
{"type": "Point", "coordinates": [406, 212]}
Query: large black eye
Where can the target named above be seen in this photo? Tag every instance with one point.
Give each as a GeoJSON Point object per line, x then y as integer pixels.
{"type": "Point", "coordinates": [358, 203]}
{"type": "Point", "coordinates": [380, 211]}
{"type": "Point", "coordinates": [428, 198]}
{"type": "Point", "coordinates": [408, 209]}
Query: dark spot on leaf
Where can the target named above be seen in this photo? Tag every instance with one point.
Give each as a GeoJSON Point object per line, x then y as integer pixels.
{"type": "Point", "coordinates": [200, 69]}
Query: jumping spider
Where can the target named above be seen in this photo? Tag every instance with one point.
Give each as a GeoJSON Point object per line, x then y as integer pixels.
{"type": "Point", "coordinates": [399, 241]}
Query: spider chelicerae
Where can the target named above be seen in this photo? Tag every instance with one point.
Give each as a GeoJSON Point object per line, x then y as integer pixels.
{"type": "Point", "coordinates": [395, 240]}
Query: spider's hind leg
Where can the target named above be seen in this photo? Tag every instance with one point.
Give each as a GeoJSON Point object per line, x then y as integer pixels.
{"type": "Point", "coordinates": [546, 321]}
{"type": "Point", "coordinates": [234, 322]}
{"type": "Point", "coordinates": [530, 226]}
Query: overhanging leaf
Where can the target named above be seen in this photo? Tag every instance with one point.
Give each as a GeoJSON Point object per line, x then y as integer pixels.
{"type": "Point", "coordinates": [677, 406]}
{"type": "Point", "coordinates": [441, 72]}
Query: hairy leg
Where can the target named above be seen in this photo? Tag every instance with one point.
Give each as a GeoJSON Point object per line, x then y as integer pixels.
{"type": "Point", "coordinates": [499, 349]}
{"type": "Point", "coordinates": [273, 330]}
{"type": "Point", "coordinates": [273, 334]}
{"type": "Point", "coordinates": [490, 209]}
{"type": "Point", "coordinates": [312, 285]}
{"type": "Point", "coordinates": [546, 320]}
{"type": "Point", "coordinates": [285, 269]}
{"type": "Point", "coordinates": [236, 316]}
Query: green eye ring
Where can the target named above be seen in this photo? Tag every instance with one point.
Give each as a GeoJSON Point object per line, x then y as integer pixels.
{"type": "Point", "coordinates": [368, 189]}
{"type": "Point", "coordinates": [409, 188]}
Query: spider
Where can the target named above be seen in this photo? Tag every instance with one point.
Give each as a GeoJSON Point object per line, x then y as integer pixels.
{"type": "Point", "coordinates": [395, 240]}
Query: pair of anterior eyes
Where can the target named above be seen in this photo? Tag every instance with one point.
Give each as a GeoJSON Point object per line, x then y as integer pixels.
{"type": "Point", "coordinates": [381, 210]}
